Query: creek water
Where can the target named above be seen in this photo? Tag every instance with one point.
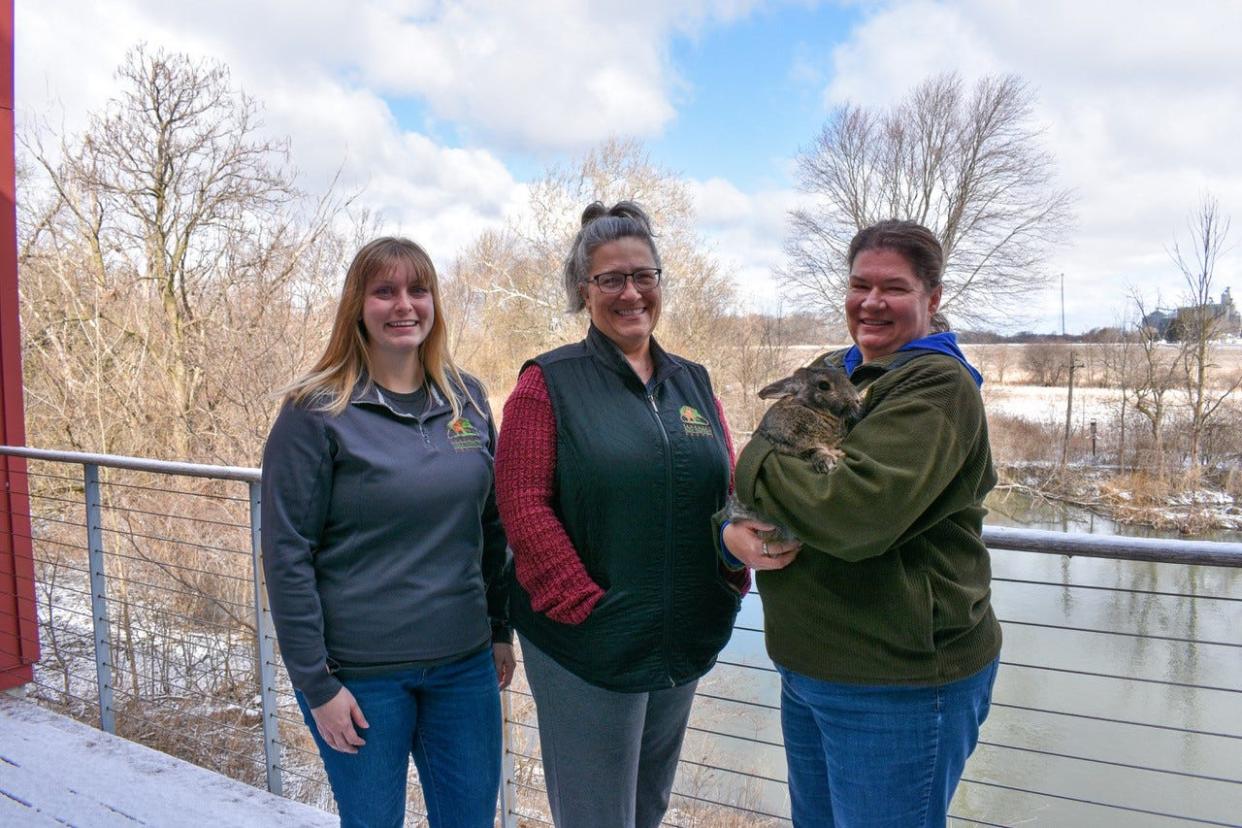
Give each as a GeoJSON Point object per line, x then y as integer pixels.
{"type": "Point", "coordinates": [1118, 702]}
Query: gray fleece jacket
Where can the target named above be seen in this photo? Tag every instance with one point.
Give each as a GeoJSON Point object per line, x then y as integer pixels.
{"type": "Point", "coordinates": [381, 540]}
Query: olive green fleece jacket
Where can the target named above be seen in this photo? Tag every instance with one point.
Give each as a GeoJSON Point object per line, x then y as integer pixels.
{"type": "Point", "coordinates": [892, 585]}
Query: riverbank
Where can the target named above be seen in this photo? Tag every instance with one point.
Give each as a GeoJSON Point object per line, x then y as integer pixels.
{"type": "Point", "coordinates": [1173, 505]}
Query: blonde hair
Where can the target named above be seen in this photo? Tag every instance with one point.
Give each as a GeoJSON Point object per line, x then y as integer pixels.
{"type": "Point", "coordinates": [330, 383]}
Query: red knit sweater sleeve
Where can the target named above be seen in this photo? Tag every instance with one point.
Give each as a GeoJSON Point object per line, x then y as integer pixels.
{"type": "Point", "coordinates": [740, 578]}
{"type": "Point", "coordinates": [546, 563]}
{"type": "Point", "coordinates": [728, 438]}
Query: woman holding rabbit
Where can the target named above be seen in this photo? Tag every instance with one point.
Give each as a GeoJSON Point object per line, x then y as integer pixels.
{"type": "Point", "coordinates": [882, 627]}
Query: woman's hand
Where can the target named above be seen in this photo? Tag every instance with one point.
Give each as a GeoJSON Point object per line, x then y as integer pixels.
{"type": "Point", "coordinates": [337, 719]}
{"type": "Point", "coordinates": [502, 655]}
{"type": "Point", "coordinates": [743, 540]}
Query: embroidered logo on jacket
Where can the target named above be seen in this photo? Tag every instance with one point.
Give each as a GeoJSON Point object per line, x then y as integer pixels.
{"type": "Point", "coordinates": [694, 423]}
{"type": "Point", "coordinates": [463, 436]}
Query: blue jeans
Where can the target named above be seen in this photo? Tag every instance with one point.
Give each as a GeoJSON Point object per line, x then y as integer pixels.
{"type": "Point", "coordinates": [863, 756]}
{"type": "Point", "coordinates": [448, 717]}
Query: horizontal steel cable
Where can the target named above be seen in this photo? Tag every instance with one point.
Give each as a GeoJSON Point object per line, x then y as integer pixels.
{"type": "Point", "coordinates": [112, 507]}
{"type": "Point", "coordinates": [1129, 766]}
{"type": "Point", "coordinates": [49, 476]}
{"type": "Point", "coordinates": [1147, 636]}
{"type": "Point", "coordinates": [179, 567]}
{"type": "Point", "coordinates": [1141, 680]}
{"type": "Point", "coordinates": [1109, 720]}
{"type": "Point", "coordinates": [140, 698]}
{"type": "Point", "coordinates": [177, 541]}
{"type": "Point", "coordinates": [62, 692]}
{"type": "Point", "coordinates": [80, 547]}
{"type": "Point", "coordinates": [977, 821]}
{"type": "Point", "coordinates": [133, 582]}
{"type": "Point", "coordinates": [174, 491]}
{"type": "Point", "coordinates": [79, 501]}
{"type": "Point", "coordinates": [116, 625]}
{"type": "Point", "coordinates": [1109, 805]}
{"type": "Point", "coordinates": [1124, 590]}
{"type": "Point", "coordinates": [742, 808]}
{"type": "Point", "coordinates": [45, 519]}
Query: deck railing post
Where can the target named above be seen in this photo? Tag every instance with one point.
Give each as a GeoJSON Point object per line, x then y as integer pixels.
{"type": "Point", "coordinates": [265, 651]}
{"type": "Point", "coordinates": [508, 784]}
{"type": "Point", "coordinates": [99, 597]}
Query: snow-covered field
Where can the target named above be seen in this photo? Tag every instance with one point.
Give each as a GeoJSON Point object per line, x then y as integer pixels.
{"type": "Point", "coordinates": [1038, 404]}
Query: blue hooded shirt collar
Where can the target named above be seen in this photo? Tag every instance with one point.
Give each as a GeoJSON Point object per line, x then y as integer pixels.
{"type": "Point", "coordinates": [942, 343]}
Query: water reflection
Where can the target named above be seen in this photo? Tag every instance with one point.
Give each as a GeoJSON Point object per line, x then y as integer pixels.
{"type": "Point", "coordinates": [1013, 508]}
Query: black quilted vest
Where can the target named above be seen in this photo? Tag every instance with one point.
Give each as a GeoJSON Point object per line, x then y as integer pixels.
{"type": "Point", "coordinates": [639, 472]}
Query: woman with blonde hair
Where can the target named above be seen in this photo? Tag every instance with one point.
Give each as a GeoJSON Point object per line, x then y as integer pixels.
{"type": "Point", "coordinates": [383, 548]}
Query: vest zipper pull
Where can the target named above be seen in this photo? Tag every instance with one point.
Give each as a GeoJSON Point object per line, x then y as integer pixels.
{"type": "Point", "coordinates": [654, 407]}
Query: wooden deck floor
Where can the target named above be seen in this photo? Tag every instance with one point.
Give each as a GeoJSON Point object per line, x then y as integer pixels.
{"type": "Point", "coordinates": [55, 771]}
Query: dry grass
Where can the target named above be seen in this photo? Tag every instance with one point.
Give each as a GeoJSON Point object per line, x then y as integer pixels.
{"type": "Point", "coordinates": [1034, 363]}
{"type": "Point", "coordinates": [1015, 440]}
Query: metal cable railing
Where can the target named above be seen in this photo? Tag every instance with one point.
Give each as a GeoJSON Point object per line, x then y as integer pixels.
{"type": "Point", "coordinates": [1119, 698]}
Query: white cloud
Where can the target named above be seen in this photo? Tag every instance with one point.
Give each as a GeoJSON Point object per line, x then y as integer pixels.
{"type": "Point", "coordinates": [897, 47]}
{"type": "Point", "coordinates": [558, 75]}
{"type": "Point", "coordinates": [442, 196]}
{"type": "Point", "coordinates": [1140, 102]}
{"type": "Point", "coordinates": [746, 232]}
{"type": "Point", "coordinates": [1141, 105]}
{"type": "Point", "coordinates": [549, 77]}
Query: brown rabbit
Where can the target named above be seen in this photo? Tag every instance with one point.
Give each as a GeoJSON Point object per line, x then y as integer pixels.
{"type": "Point", "coordinates": [814, 410]}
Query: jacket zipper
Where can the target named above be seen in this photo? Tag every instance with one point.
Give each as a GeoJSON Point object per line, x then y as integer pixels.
{"type": "Point", "coordinates": [668, 536]}
{"type": "Point", "coordinates": [417, 419]}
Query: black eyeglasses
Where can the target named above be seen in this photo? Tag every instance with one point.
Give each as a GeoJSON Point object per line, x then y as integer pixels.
{"type": "Point", "coordinates": [645, 280]}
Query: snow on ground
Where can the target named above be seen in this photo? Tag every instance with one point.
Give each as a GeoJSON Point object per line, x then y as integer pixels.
{"type": "Point", "coordinates": [56, 771]}
{"type": "Point", "coordinates": [1046, 406]}
{"type": "Point", "coordinates": [1038, 404]}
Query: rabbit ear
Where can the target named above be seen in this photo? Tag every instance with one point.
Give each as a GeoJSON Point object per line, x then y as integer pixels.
{"type": "Point", "coordinates": [786, 387]}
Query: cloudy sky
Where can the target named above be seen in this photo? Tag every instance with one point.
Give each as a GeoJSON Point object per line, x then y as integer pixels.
{"type": "Point", "coordinates": [443, 110]}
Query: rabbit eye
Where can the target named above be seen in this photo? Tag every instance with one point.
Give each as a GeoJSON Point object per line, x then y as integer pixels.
{"type": "Point", "coordinates": [824, 385]}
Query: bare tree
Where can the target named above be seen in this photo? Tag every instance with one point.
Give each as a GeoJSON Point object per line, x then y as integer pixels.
{"type": "Point", "coordinates": [506, 292]}
{"type": "Point", "coordinates": [968, 165]}
{"type": "Point", "coordinates": [173, 276]}
{"type": "Point", "coordinates": [1002, 355]}
{"type": "Point", "coordinates": [1158, 365]}
{"type": "Point", "coordinates": [1118, 359]}
{"type": "Point", "coordinates": [759, 354]}
{"type": "Point", "coordinates": [1201, 322]}
{"type": "Point", "coordinates": [165, 251]}
{"type": "Point", "coordinates": [1044, 362]}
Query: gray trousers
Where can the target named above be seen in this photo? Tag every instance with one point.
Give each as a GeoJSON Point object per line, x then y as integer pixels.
{"type": "Point", "coordinates": [608, 758]}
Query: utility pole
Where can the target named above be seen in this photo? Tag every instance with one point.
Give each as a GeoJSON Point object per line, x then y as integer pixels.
{"type": "Point", "coordinates": [1069, 408]}
{"type": "Point", "coordinates": [1063, 318]}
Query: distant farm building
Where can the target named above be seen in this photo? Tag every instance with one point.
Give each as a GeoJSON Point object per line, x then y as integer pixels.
{"type": "Point", "coordinates": [1222, 315]}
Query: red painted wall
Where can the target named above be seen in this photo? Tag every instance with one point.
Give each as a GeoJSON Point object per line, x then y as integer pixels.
{"type": "Point", "coordinates": [19, 642]}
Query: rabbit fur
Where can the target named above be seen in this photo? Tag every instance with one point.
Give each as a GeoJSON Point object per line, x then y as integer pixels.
{"type": "Point", "coordinates": [814, 409]}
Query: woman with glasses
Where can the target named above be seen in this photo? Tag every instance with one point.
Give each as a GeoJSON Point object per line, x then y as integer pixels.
{"type": "Point", "coordinates": [613, 456]}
